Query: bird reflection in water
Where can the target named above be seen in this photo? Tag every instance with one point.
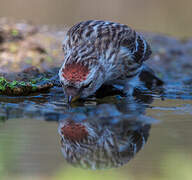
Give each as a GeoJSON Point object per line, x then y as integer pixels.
{"type": "Point", "coordinates": [105, 137]}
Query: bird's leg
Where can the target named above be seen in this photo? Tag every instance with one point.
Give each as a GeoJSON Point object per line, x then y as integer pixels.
{"type": "Point", "coordinates": [131, 84]}
{"type": "Point", "coordinates": [151, 81]}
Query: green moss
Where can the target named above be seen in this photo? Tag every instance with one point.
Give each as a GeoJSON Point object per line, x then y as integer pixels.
{"type": "Point", "coordinates": [12, 84]}
{"type": "Point", "coordinates": [20, 87]}
{"type": "Point", "coordinates": [34, 88]}
{"type": "Point", "coordinates": [3, 83]}
{"type": "Point", "coordinates": [2, 79]}
{"type": "Point", "coordinates": [34, 81]}
{"type": "Point", "coordinates": [32, 84]}
{"type": "Point", "coordinates": [2, 88]}
{"type": "Point", "coordinates": [45, 79]}
{"type": "Point", "coordinates": [22, 83]}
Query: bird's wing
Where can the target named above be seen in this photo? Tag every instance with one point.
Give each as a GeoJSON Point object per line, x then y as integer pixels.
{"type": "Point", "coordinates": [107, 35]}
{"type": "Point", "coordinates": [133, 51]}
{"type": "Point", "coordinates": [137, 46]}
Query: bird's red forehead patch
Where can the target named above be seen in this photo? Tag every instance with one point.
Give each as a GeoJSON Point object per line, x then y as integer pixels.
{"type": "Point", "coordinates": [75, 72]}
{"type": "Point", "coordinates": [74, 131]}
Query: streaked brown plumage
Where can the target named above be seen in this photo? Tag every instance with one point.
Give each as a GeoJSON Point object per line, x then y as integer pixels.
{"type": "Point", "coordinates": [102, 52]}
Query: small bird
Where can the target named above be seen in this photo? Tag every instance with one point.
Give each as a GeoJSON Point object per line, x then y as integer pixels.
{"type": "Point", "coordinates": [101, 52]}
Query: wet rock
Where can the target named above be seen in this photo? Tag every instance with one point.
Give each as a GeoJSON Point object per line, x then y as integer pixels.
{"type": "Point", "coordinates": [26, 82]}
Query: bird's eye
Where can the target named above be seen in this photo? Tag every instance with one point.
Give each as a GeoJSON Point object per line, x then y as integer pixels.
{"type": "Point", "coordinates": [87, 85]}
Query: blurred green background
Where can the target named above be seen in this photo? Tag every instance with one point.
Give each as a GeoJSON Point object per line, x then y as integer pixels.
{"type": "Point", "coordinates": [30, 149]}
{"type": "Point", "coordinates": [171, 17]}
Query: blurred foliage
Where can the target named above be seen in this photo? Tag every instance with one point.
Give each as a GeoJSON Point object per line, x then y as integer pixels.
{"type": "Point", "coordinates": [177, 166]}
{"type": "Point", "coordinates": [166, 16]}
{"type": "Point", "coordinates": [79, 174]}
{"type": "Point", "coordinates": [8, 155]}
{"type": "Point", "coordinates": [172, 167]}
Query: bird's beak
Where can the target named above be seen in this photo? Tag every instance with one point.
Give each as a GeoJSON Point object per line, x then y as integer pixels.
{"type": "Point", "coordinates": [71, 99]}
{"type": "Point", "coordinates": [72, 94]}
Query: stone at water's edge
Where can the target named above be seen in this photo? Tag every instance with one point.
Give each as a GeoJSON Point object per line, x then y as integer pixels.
{"type": "Point", "coordinates": [20, 88]}
{"type": "Point", "coordinates": [26, 82]}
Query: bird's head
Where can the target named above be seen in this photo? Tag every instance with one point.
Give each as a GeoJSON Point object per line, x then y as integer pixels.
{"type": "Point", "coordinates": [80, 80]}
